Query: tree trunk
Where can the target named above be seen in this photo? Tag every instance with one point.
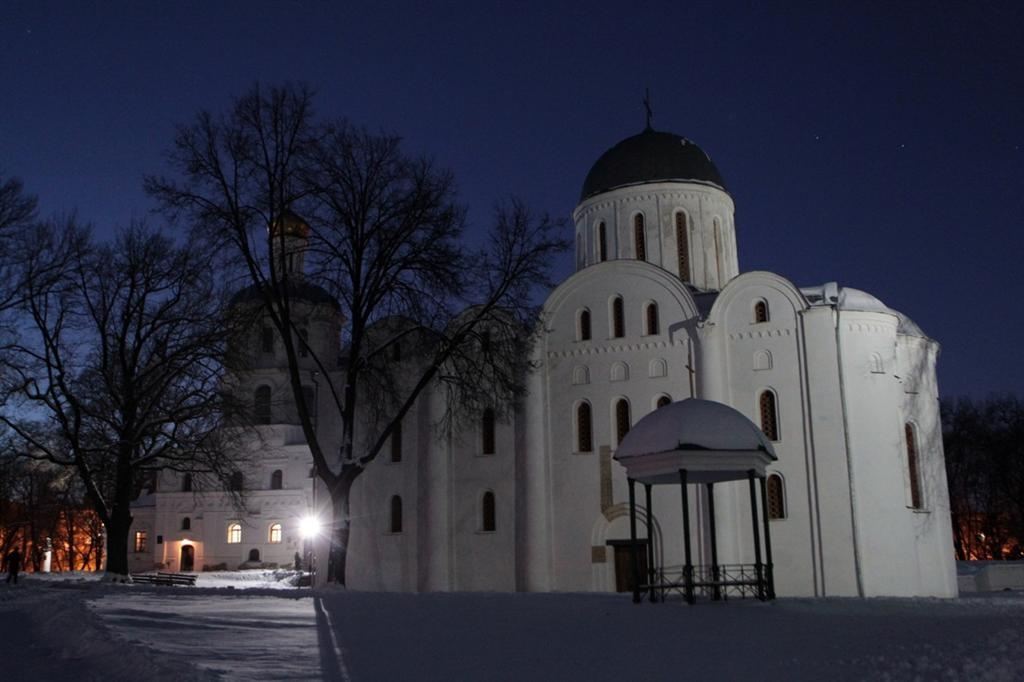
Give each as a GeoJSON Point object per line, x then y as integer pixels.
{"type": "Point", "coordinates": [341, 529]}
{"type": "Point", "coordinates": [117, 543]}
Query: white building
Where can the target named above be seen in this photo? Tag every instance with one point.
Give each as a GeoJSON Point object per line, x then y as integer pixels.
{"type": "Point", "coordinates": [657, 311]}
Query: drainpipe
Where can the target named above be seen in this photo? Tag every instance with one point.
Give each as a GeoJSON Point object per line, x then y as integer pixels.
{"type": "Point", "coordinates": [849, 457]}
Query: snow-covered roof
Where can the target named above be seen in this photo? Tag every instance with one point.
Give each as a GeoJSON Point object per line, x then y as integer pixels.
{"type": "Point", "coordinates": [848, 298]}
{"type": "Point", "coordinates": [712, 441]}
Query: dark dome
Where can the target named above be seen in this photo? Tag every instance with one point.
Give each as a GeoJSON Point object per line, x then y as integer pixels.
{"type": "Point", "coordinates": [300, 289]}
{"type": "Point", "coordinates": [651, 156]}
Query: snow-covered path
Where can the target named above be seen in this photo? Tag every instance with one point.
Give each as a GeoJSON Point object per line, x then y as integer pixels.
{"type": "Point", "coordinates": [116, 632]}
{"type": "Point", "coordinates": [572, 636]}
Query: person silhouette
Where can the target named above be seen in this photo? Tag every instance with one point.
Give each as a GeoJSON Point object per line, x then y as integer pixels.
{"type": "Point", "coordinates": [13, 564]}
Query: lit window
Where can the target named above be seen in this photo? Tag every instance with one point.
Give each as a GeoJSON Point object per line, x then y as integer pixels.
{"type": "Point", "coordinates": [602, 243]}
{"type": "Point", "coordinates": [186, 523]}
{"type": "Point", "coordinates": [652, 318]}
{"type": "Point", "coordinates": [621, 420]}
{"type": "Point", "coordinates": [584, 428]}
{"type": "Point", "coordinates": [141, 541]}
{"type": "Point", "coordinates": [913, 466]}
{"type": "Point", "coordinates": [277, 480]}
{"type": "Point", "coordinates": [268, 340]}
{"type": "Point", "coordinates": [234, 533]}
{"type": "Point", "coordinates": [682, 247]}
{"type": "Point", "coordinates": [584, 329]}
{"type": "Point", "coordinates": [396, 443]}
{"type": "Point", "coordinates": [261, 405]}
{"type": "Point", "coordinates": [275, 533]}
{"type": "Point", "coordinates": [396, 514]}
{"type": "Point", "coordinates": [487, 513]}
{"type": "Point", "coordinates": [769, 415]}
{"type": "Point", "coordinates": [639, 237]}
{"type": "Point", "coordinates": [760, 312]}
{"type": "Point", "coordinates": [487, 428]}
{"type": "Point", "coordinates": [618, 318]}
{"type": "Point", "coordinates": [776, 497]}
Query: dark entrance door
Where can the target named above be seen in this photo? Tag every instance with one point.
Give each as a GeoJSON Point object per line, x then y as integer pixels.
{"type": "Point", "coordinates": [624, 579]}
{"type": "Point", "coordinates": [188, 558]}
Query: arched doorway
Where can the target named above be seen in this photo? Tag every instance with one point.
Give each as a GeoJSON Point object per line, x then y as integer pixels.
{"type": "Point", "coordinates": [188, 557]}
{"type": "Point", "coordinates": [254, 554]}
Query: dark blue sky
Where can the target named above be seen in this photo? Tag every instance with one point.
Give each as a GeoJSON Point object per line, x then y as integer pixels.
{"type": "Point", "coordinates": [878, 146]}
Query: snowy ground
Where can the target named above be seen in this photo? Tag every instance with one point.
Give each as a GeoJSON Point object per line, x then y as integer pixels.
{"type": "Point", "coordinates": [250, 625]}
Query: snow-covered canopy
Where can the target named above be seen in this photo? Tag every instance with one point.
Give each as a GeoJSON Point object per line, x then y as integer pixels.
{"type": "Point", "coordinates": [712, 441]}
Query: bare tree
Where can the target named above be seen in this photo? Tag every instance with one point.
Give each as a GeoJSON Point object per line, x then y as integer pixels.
{"type": "Point", "coordinates": [984, 448]}
{"type": "Point", "coordinates": [117, 367]}
{"type": "Point", "coordinates": [17, 212]}
{"type": "Point", "coordinates": [385, 241]}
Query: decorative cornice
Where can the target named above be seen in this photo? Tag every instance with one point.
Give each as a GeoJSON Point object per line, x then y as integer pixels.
{"type": "Point", "coordinates": [593, 349]}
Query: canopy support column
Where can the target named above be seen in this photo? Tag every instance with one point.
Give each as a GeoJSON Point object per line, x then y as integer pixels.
{"type": "Point", "coordinates": [650, 543]}
{"type": "Point", "coordinates": [717, 592]}
{"type": "Point", "coordinates": [688, 566]}
{"type": "Point", "coordinates": [632, 541]}
{"type": "Point", "coordinates": [769, 567]}
{"type": "Point", "coordinates": [758, 567]}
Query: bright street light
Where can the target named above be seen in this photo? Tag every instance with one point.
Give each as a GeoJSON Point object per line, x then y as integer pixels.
{"type": "Point", "coordinates": [309, 527]}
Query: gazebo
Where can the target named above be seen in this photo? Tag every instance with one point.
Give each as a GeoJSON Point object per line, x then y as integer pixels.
{"type": "Point", "coordinates": [699, 442]}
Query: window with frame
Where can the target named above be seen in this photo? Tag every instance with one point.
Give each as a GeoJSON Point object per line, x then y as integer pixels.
{"type": "Point", "coordinates": [651, 319]}
{"type": "Point", "coordinates": [261, 405]}
{"type": "Point", "coordinates": [776, 497]}
{"type": "Point", "coordinates": [618, 318]}
{"type": "Point", "coordinates": [718, 253]}
{"type": "Point", "coordinates": [584, 325]}
{"type": "Point", "coordinates": [602, 242]}
{"type": "Point", "coordinates": [769, 415]}
{"type": "Point", "coordinates": [760, 312]}
{"type": "Point", "coordinates": [186, 523]}
{"type": "Point", "coordinates": [639, 237]}
{"type": "Point", "coordinates": [276, 479]}
{"type": "Point", "coordinates": [584, 428]}
{"type": "Point", "coordinates": [234, 533]}
{"type": "Point", "coordinates": [274, 534]}
{"type": "Point", "coordinates": [622, 422]}
{"type": "Point", "coordinates": [682, 247]}
{"type": "Point", "coordinates": [396, 443]}
{"type": "Point", "coordinates": [141, 541]}
{"type": "Point", "coordinates": [662, 402]}
{"type": "Point", "coordinates": [487, 432]}
{"type": "Point", "coordinates": [913, 466]}
{"type": "Point", "coordinates": [488, 515]}
{"type": "Point", "coordinates": [396, 514]}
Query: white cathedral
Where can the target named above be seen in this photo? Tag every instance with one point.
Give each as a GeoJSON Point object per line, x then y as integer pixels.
{"type": "Point", "coordinates": [842, 387]}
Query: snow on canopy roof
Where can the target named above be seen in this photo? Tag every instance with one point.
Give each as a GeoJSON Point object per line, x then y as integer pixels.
{"type": "Point", "coordinates": [712, 441]}
{"type": "Point", "coordinates": [848, 298]}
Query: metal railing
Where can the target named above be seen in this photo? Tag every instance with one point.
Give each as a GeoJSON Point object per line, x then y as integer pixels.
{"type": "Point", "coordinates": [714, 582]}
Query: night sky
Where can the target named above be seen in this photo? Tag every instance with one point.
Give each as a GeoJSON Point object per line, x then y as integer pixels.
{"type": "Point", "coordinates": [876, 146]}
